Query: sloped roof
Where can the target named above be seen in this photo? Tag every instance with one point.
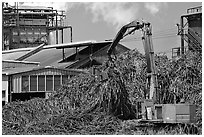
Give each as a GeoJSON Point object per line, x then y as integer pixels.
{"type": "Point", "coordinates": [52, 55]}
{"type": "Point", "coordinates": [87, 59]}
{"type": "Point", "coordinates": [49, 57]}
{"type": "Point", "coordinates": [12, 71]}
{"type": "Point", "coordinates": [15, 53]}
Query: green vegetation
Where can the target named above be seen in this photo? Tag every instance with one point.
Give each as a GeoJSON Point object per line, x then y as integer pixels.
{"type": "Point", "coordinates": [87, 105]}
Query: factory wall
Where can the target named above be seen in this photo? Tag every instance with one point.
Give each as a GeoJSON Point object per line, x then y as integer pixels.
{"type": "Point", "coordinates": [37, 83]}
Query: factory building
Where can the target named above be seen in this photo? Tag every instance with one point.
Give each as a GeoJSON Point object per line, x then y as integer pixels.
{"type": "Point", "coordinates": [38, 71]}
{"type": "Point", "coordinates": [75, 55]}
{"type": "Point", "coordinates": [27, 26]}
{"type": "Point", "coordinates": [33, 65]}
{"type": "Point", "coordinates": [24, 83]}
{"type": "Point", "coordinates": [190, 30]}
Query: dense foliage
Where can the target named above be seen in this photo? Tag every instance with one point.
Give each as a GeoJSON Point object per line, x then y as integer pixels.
{"type": "Point", "coordinates": [87, 104]}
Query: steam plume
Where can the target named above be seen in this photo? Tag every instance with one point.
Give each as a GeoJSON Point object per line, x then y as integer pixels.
{"type": "Point", "coordinates": [154, 7]}
{"type": "Point", "coordinates": [116, 14]}
{"type": "Point", "coordinates": [120, 13]}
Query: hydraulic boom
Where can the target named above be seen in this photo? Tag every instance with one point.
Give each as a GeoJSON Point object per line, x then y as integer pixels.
{"type": "Point", "coordinates": [145, 27]}
{"type": "Point", "coordinates": [150, 111]}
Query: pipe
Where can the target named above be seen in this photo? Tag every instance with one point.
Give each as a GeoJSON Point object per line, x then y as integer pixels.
{"type": "Point", "coordinates": [9, 88]}
{"type": "Point", "coordinates": [182, 36]}
{"type": "Point", "coordinates": [70, 27]}
{"type": "Point", "coordinates": [56, 29]}
{"type": "Point", "coordinates": [62, 35]}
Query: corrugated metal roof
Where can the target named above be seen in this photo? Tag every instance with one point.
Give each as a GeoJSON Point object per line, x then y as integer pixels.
{"type": "Point", "coordinates": [88, 43]}
{"type": "Point", "coordinates": [14, 54]}
{"type": "Point", "coordinates": [52, 56]}
{"type": "Point", "coordinates": [31, 52]}
{"type": "Point", "coordinates": [49, 55]}
{"type": "Point", "coordinates": [17, 50]}
{"type": "Point", "coordinates": [12, 71]}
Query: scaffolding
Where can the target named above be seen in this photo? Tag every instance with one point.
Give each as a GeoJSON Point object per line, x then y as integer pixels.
{"type": "Point", "coordinates": [27, 26]}
{"type": "Point", "coordinates": [190, 30]}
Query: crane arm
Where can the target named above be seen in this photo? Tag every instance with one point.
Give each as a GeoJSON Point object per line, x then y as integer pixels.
{"type": "Point", "coordinates": [148, 48]}
{"type": "Point", "coordinates": [136, 25]}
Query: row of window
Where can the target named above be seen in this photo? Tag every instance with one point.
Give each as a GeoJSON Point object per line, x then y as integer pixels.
{"type": "Point", "coordinates": [29, 39]}
{"type": "Point", "coordinates": [43, 82]}
{"type": "Point", "coordinates": [29, 32]}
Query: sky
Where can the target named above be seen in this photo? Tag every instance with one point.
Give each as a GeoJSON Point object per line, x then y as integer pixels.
{"type": "Point", "coordinates": [102, 20]}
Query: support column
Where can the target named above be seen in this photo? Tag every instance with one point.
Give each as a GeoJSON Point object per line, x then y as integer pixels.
{"type": "Point", "coordinates": [182, 37]}
{"type": "Point", "coordinates": [63, 56]}
{"type": "Point", "coordinates": [62, 36]}
{"type": "Point", "coordinates": [56, 29]}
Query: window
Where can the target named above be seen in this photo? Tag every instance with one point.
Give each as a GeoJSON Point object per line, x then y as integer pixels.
{"type": "Point", "coordinates": [29, 32]}
{"type": "Point", "coordinates": [64, 79]}
{"type": "Point", "coordinates": [15, 39]}
{"type": "Point", "coordinates": [15, 33]}
{"type": "Point", "coordinates": [57, 82]}
{"type": "Point", "coordinates": [33, 83]}
{"type": "Point", "coordinates": [41, 83]}
{"type": "Point", "coordinates": [30, 39]}
{"type": "Point", "coordinates": [43, 33]}
{"type": "Point", "coordinates": [3, 103]}
{"type": "Point", "coordinates": [23, 40]}
{"type": "Point", "coordinates": [36, 32]}
{"type": "Point", "coordinates": [49, 83]}
{"type": "Point", "coordinates": [25, 83]}
{"type": "Point", "coordinates": [22, 33]}
{"type": "Point", "coordinates": [3, 94]}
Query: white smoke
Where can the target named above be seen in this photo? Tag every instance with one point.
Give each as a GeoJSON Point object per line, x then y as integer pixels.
{"type": "Point", "coordinates": [116, 14]}
{"type": "Point", "coordinates": [154, 7]}
{"type": "Point", "coordinates": [120, 13]}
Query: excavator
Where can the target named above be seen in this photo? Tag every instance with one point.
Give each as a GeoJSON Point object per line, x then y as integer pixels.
{"type": "Point", "coordinates": [149, 111]}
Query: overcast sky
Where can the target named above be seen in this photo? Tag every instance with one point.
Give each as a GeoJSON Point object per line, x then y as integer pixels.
{"type": "Point", "coordinates": [101, 21]}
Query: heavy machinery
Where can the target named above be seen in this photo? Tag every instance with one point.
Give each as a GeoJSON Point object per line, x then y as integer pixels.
{"type": "Point", "coordinates": [149, 111]}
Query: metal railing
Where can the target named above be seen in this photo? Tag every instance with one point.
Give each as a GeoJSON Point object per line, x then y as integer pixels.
{"type": "Point", "coordinates": [194, 9]}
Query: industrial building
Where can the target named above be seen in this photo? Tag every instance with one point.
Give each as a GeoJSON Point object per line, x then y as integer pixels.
{"type": "Point", "coordinates": [75, 55]}
{"type": "Point", "coordinates": [33, 65]}
{"type": "Point", "coordinates": [190, 30]}
{"type": "Point", "coordinates": [25, 69]}
{"type": "Point", "coordinates": [24, 83]}
{"type": "Point", "coordinates": [27, 26]}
